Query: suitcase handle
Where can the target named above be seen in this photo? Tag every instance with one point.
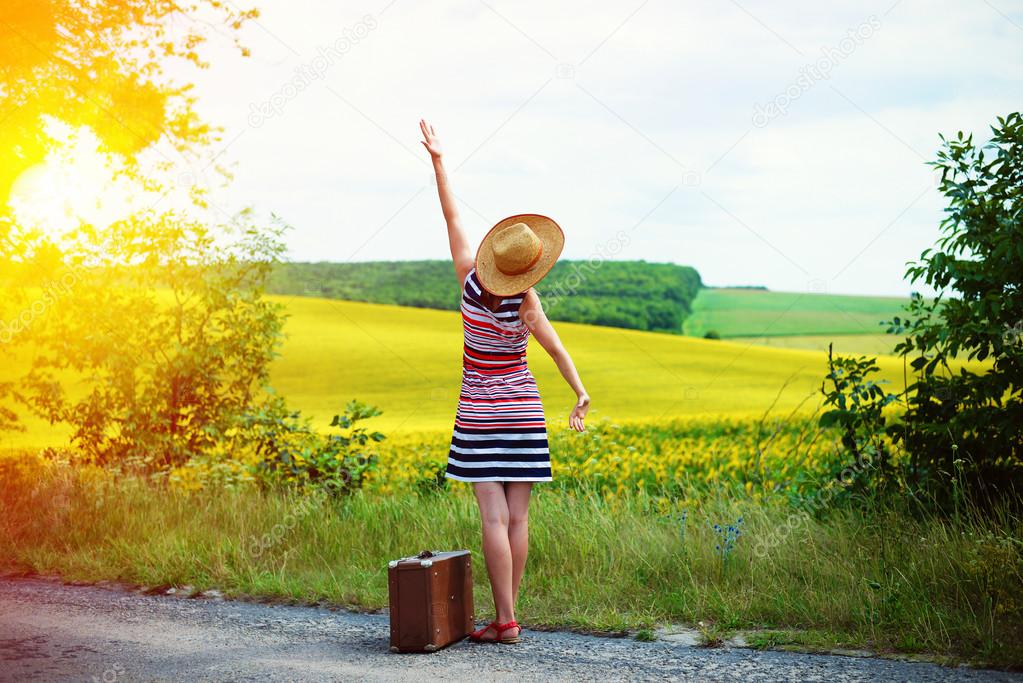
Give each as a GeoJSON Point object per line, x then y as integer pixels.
{"type": "Point", "coordinates": [421, 556]}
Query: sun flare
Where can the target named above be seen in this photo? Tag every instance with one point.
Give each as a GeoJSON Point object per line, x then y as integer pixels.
{"type": "Point", "coordinates": [76, 183]}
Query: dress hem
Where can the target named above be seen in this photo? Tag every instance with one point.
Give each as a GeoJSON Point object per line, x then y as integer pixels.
{"type": "Point", "coordinates": [472, 479]}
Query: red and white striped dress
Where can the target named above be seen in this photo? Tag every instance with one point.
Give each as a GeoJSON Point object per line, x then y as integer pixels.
{"type": "Point", "coordinates": [500, 431]}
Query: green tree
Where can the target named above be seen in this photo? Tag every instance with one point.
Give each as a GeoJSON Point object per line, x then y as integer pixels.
{"type": "Point", "coordinates": [958, 423]}
{"type": "Point", "coordinates": [150, 337]}
{"type": "Point", "coordinates": [171, 352]}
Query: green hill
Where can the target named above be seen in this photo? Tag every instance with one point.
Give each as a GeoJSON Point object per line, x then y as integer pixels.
{"type": "Point", "coordinates": [630, 294]}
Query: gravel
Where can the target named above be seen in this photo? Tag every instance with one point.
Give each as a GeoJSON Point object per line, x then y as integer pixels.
{"type": "Point", "coordinates": [50, 631]}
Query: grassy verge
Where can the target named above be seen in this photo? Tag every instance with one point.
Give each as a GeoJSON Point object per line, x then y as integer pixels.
{"type": "Point", "coordinates": [877, 580]}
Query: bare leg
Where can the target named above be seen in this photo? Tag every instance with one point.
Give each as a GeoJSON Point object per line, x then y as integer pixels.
{"type": "Point", "coordinates": [496, 550]}
{"type": "Point", "coordinates": [517, 493]}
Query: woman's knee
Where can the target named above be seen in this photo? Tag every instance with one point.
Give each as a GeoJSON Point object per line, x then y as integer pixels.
{"type": "Point", "coordinates": [518, 518]}
{"type": "Point", "coordinates": [494, 518]}
{"type": "Point", "coordinates": [518, 503]}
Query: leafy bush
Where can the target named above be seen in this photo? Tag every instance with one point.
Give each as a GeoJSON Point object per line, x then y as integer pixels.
{"type": "Point", "coordinates": [960, 429]}
{"type": "Point", "coordinates": [856, 406]}
{"type": "Point", "coordinates": [963, 421]}
{"type": "Point", "coordinates": [290, 452]}
{"type": "Point", "coordinates": [163, 354]}
{"type": "Point", "coordinates": [146, 331]}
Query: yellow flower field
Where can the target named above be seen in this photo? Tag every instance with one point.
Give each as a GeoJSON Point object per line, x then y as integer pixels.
{"type": "Point", "coordinates": [407, 362]}
{"type": "Point", "coordinates": [667, 460]}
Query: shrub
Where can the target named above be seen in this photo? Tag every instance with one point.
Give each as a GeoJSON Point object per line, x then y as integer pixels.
{"type": "Point", "coordinates": [961, 423]}
{"type": "Point", "coordinates": [289, 451]}
{"type": "Point", "coordinates": [856, 406]}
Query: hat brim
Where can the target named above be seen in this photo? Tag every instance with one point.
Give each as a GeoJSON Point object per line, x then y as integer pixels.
{"type": "Point", "coordinates": [502, 284]}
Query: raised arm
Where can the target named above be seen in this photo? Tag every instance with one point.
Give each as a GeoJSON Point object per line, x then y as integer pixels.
{"type": "Point", "coordinates": [461, 253]}
{"type": "Point", "coordinates": [534, 318]}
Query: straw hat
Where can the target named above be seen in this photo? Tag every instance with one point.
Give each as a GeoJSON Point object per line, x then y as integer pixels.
{"type": "Point", "coordinates": [517, 253]}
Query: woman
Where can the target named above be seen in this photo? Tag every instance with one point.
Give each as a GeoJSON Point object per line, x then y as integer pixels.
{"type": "Point", "coordinates": [500, 436]}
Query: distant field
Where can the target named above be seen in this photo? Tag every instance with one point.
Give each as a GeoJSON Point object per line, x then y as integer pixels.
{"type": "Point", "coordinates": [760, 313]}
{"type": "Point", "coordinates": [407, 361]}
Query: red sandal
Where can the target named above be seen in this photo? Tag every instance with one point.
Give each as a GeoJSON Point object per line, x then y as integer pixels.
{"type": "Point", "coordinates": [477, 636]}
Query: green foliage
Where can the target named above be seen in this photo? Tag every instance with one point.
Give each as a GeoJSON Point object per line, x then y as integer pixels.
{"type": "Point", "coordinates": [148, 336]}
{"type": "Point", "coordinates": [166, 341]}
{"type": "Point", "coordinates": [856, 406]}
{"type": "Point", "coordinates": [291, 452]}
{"type": "Point", "coordinates": [630, 294]}
{"type": "Point", "coordinates": [432, 479]}
{"type": "Point", "coordinates": [964, 420]}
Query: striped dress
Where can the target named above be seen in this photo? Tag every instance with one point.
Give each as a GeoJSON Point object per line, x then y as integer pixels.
{"type": "Point", "coordinates": [500, 432]}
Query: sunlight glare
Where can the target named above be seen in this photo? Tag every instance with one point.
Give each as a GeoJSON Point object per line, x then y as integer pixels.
{"type": "Point", "coordinates": [76, 183]}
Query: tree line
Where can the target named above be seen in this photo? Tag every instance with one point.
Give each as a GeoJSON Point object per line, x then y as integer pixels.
{"type": "Point", "coordinates": [631, 294]}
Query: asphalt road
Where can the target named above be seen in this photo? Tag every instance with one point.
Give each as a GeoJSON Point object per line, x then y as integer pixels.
{"type": "Point", "coordinates": [55, 632]}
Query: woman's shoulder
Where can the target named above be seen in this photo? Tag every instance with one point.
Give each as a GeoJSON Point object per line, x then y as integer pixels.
{"type": "Point", "coordinates": [530, 299]}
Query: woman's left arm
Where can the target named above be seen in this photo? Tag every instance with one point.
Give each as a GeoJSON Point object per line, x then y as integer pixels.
{"type": "Point", "coordinates": [532, 315]}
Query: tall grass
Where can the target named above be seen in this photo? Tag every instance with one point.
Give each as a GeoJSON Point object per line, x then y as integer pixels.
{"type": "Point", "coordinates": [875, 578]}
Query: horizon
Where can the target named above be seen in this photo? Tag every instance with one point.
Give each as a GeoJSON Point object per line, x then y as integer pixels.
{"type": "Point", "coordinates": [703, 285]}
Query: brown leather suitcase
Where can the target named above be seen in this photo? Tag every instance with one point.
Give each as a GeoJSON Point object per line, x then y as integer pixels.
{"type": "Point", "coordinates": [431, 600]}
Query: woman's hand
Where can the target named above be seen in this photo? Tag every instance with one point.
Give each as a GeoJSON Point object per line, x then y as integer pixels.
{"type": "Point", "coordinates": [430, 140]}
{"type": "Point", "coordinates": [579, 413]}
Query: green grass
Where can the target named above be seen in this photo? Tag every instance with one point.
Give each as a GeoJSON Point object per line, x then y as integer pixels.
{"type": "Point", "coordinates": [865, 344]}
{"type": "Point", "coordinates": [877, 579]}
{"type": "Point", "coordinates": [760, 313]}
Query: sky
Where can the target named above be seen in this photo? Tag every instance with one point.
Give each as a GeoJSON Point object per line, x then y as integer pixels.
{"type": "Point", "coordinates": [764, 143]}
